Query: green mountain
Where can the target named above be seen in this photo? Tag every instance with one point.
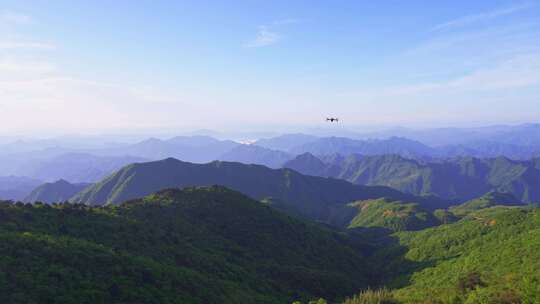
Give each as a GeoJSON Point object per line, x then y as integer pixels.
{"type": "Point", "coordinates": [493, 256]}
{"type": "Point", "coordinates": [459, 179]}
{"type": "Point", "coordinates": [57, 192]}
{"type": "Point", "coordinates": [308, 196]}
{"type": "Point", "coordinates": [489, 200]}
{"type": "Point", "coordinates": [393, 215]}
{"type": "Point", "coordinates": [197, 245]}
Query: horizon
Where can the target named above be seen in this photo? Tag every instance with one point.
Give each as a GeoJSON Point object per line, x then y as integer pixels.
{"type": "Point", "coordinates": [243, 136]}
{"type": "Point", "coordinates": [273, 67]}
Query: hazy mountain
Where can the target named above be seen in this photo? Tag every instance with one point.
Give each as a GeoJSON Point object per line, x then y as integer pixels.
{"type": "Point", "coordinates": [79, 167]}
{"type": "Point", "coordinates": [519, 135]}
{"type": "Point", "coordinates": [197, 149]}
{"type": "Point", "coordinates": [462, 179]}
{"type": "Point", "coordinates": [57, 192]}
{"type": "Point", "coordinates": [286, 142]}
{"type": "Point", "coordinates": [203, 245]}
{"type": "Point", "coordinates": [341, 145]}
{"type": "Point", "coordinates": [16, 187]}
{"type": "Point", "coordinates": [308, 164]}
{"type": "Point", "coordinates": [312, 197]}
{"type": "Point", "coordinates": [485, 149]}
{"type": "Point", "coordinates": [252, 154]}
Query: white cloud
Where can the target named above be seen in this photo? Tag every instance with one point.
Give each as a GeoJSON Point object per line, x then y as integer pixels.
{"type": "Point", "coordinates": [485, 16]}
{"type": "Point", "coordinates": [514, 74]}
{"type": "Point", "coordinates": [265, 37]}
{"type": "Point", "coordinates": [14, 17]}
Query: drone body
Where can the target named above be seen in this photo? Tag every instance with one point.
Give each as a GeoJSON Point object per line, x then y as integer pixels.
{"type": "Point", "coordinates": [333, 119]}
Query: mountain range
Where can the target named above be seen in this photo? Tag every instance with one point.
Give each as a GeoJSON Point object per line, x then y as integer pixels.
{"type": "Point", "coordinates": [316, 198]}
{"type": "Point", "coordinates": [458, 179]}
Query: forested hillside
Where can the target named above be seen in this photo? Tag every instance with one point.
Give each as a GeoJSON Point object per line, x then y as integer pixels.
{"type": "Point", "coordinates": [312, 197]}
{"type": "Point", "coordinates": [198, 245]}
{"type": "Point", "coordinates": [459, 179]}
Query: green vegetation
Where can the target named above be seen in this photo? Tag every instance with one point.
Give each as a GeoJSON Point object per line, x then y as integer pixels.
{"type": "Point", "coordinates": [461, 179]}
{"type": "Point", "coordinates": [198, 245]}
{"type": "Point", "coordinates": [394, 215]}
{"type": "Point", "coordinates": [309, 196]}
{"type": "Point", "coordinates": [491, 256]}
{"type": "Point", "coordinates": [489, 200]}
{"type": "Point", "coordinates": [214, 245]}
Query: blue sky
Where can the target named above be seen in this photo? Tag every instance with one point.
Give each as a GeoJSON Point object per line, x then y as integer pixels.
{"type": "Point", "coordinates": [84, 66]}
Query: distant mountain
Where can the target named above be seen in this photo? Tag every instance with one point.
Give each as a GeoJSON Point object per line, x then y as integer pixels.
{"type": "Point", "coordinates": [286, 142]}
{"type": "Point", "coordinates": [57, 192]}
{"type": "Point", "coordinates": [79, 167]}
{"type": "Point", "coordinates": [461, 179]}
{"type": "Point", "coordinates": [308, 164]}
{"type": "Point", "coordinates": [252, 154]}
{"type": "Point", "coordinates": [488, 200]}
{"type": "Point", "coordinates": [311, 197]}
{"type": "Point", "coordinates": [16, 188]}
{"type": "Point", "coordinates": [488, 149]}
{"type": "Point", "coordinates": [516, 142]}
{"type": "Point", "coordinates": [345, 146]}
{"type": "Point", "coordinates": [525, 135]}
{"type": "Point", "coordinates": [199, 149]}
{"type": "Point", "coordinates": [198, 245]}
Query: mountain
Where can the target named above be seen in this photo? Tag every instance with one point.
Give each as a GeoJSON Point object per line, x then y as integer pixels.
{"type": "Point", "coordinates": [459, 179]}
{"type": "Point", "coordinates": [393, 215]}
{"type": "Point", "coordinates": [491, 199]}
{"type": "Point", "coordinates": [79, 167]}
{"type": "Point", "coordinates": [199, 149]}
{"type": "Point", "coordinates": [308, 164]}
{"type": "Point", "coordinates": [57, 192]}
{"type": "Point", "coordinates": [197, 245]}
{"type": "Point", "coordinates": [252, 154]}
{"type": "Point", "coordinates": [346, 146]}
{"type": "Point", "coordinates": [489, 149]}
{"type": "Point", "coordinates": [525, 135]}
{"type": "Point", "coordinates": [285, 142]}
{"type": "Point", "coordinates": [492, 256]}
{"type": "Point", "coordinates": [312, 197]}
{"type": "Point", "coordinates": [16, 187]}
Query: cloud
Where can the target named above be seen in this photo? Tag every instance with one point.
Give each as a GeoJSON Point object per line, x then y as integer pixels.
{"type": "Point", "coordinates": [11, 45]}
{"type": "Point", "coordinates": [516, 73]}
{"type": "Point", "coordinates": [485, 16]}
{"type": "Point", "coordinates": [13, 17]}
{"type": "Point", "coordinates": [264, 37]}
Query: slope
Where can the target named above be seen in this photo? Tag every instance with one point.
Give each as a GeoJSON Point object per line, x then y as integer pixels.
{"type": "Point", "coordinates": [198, 245]}
{"type": "Point", "coordinates": [459, 179]}
{"type": "Point", "coordinates": [57, 192]}
{"type": "Point", "coordinates": [312, 197]}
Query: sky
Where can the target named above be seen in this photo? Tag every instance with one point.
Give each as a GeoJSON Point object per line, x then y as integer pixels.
{"type": "Point", "coordinates": [100, 66]}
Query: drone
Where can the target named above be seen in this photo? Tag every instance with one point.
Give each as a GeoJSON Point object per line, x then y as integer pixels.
{"type": "Point", "coordinates": [333, 119]}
